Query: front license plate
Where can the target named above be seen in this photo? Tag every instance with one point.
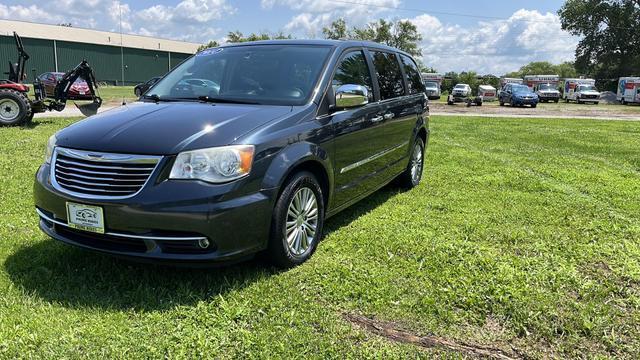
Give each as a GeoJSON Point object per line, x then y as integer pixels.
{"type": "Point", "coordinates": [85, 217]}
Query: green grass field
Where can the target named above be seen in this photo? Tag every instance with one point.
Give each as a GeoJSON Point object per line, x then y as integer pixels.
{"type": "Point", "coordinates": [523, 237]}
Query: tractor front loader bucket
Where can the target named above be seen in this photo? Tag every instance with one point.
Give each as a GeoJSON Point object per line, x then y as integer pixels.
{"type": "Point", "coordinates": [91, 108]}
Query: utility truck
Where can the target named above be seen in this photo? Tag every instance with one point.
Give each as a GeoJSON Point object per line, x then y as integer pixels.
{"type": "Point", "coordinates": [433, 85]}
{"type": "Point", "coordinates": [545, 86]}
{"type": "Point", "coordinates": [628, 90]}
{"type": "Point", "coordinates": [581, 91]}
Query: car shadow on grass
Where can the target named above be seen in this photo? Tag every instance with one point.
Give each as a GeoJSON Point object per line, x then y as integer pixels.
{"type": "Point", "coordinates": [77, 278]}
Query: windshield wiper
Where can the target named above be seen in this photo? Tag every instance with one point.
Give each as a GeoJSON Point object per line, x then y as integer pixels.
{"type": "Point", "coordinates": [226, 100]}
{"type": "Point", "coordinates": [156, 98]}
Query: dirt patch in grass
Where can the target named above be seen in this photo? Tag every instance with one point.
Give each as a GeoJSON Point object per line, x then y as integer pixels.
{"type": "Point", "coordinates": [393, 332]}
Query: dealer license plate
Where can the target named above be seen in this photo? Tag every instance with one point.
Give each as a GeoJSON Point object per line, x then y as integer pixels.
{"type": "Point", "coordinates": [85, 217]}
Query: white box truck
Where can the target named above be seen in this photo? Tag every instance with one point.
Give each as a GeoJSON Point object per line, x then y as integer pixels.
{"type": "Point", "coordinates": [545, 86]}
{"type": "Point", "coordinates": [432, 85]}
{"type": "Point", "coordinates": [628, 90]}
{"type": "Point", "coordinates": [581, 91]}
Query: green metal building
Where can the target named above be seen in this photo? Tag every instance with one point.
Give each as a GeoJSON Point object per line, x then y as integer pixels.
{"type": "Point", "coordinates": [117, 59]}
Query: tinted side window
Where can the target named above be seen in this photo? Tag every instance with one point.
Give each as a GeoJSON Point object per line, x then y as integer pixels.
{"type": "Point", "coordinates": [389, 74]}
{"type": "Point", "coordinates": [414, 80]}
{"type": "Point", "coordinates": [353, 69]}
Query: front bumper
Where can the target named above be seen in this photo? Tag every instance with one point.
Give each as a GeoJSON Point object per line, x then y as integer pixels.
{"type": "Point", "coordinates": [525, 101]}
{"type": "Point", "coordinates": [166, 221]}
{"type": "Point", "coordinates": [549, 97]}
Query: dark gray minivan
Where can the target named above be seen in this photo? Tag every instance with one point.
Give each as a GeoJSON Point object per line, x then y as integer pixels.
{"type": "Point", "coordinates": [240, 149]}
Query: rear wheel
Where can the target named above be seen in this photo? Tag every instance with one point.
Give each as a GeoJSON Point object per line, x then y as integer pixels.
{"type": "Point", "coordinates": [298, 217]}
{"type": "Point", "coordinates": [412, 175]}
{"type": "Point", "coordinates": [15, 108]}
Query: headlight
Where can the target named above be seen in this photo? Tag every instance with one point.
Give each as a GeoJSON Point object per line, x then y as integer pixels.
{"type": "Point", "coordinates": [51, 144]}
{"type": "Point", "coordinates": [216, 165]}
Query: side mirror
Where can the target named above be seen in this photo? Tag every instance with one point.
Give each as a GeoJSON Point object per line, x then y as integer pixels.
{"type": "Point", "coordinates": [349, 96]}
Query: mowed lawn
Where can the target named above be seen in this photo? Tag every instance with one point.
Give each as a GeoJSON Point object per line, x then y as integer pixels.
{"type": "Point", "coordinates": [522, 241]}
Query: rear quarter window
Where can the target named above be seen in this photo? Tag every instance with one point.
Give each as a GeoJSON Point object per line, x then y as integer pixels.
{"type": "Point", "coordinates": [412, 75]}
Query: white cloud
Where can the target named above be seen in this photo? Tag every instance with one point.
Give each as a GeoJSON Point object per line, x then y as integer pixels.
{"type": "Point", "coordinates": [189, 20]}
{"type": "Point", "coordinates": [495, 47]}
{"type": "Point", "coordinates": [319, 13]}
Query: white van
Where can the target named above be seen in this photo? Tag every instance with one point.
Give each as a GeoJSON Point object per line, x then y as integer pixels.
{"type": "Point", "coordinates": [432, 85]}
{"type": "Point", "coordinates": [546, 86]}
{"type": "Point", "coordinates": [628, 90]}
{"type": "Point", "coordinates": [581, 91]}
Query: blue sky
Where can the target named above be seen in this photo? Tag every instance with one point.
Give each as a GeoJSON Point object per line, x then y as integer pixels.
{"type": "Point", "coordinates": [494, 37]}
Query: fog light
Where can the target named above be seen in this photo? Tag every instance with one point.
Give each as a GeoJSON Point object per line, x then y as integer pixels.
{"type": "Point", "coordinates": [203, 243]}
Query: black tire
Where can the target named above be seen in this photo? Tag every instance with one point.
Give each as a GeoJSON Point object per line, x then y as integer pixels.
{"type": "Point", "coordinates": [137, 92]}
{"type": "Point", "coordinates": [278, 250]}
{"type": "Point", "coordinates": [407, 179]}
{"type": "Point", "coordinates": [14, 100]}
{"type": "Point", "coordinates": [557, 100]}
{"type": "Point", "coordinates": [534, 106]}
{"type": "Point", "coordinates": [501, 103]}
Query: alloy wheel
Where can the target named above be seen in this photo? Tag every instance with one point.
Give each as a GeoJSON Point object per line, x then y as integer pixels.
{"type": "Point", "coordinates": [416, 163]}
{"type": "Point", "coordinates": [302, 221]}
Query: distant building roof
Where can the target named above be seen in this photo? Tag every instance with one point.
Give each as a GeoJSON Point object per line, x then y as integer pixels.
{"type": "Point", "coordinates": [80, 35]}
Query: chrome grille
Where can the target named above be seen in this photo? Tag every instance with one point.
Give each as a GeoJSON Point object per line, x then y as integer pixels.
{"type": "Point", "coordinates": [100, 175]}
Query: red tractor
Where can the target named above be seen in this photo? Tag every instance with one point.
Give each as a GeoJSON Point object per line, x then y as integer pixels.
{"type": "Point", "coordinates": [17, 109]}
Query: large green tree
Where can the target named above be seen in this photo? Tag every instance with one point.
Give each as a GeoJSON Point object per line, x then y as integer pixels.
{"type": "Point", "coordinates": [401, 34]}
{"type": "Point", "coordinates": [610, 36]}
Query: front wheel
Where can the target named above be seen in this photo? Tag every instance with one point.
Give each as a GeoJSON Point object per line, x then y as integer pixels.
{"type": "Point", "coordinates": [412, 175]}
{"type": "Point", "coordinates": [298, 217]}
{"type": "Point", "coordinates": [15, 108]}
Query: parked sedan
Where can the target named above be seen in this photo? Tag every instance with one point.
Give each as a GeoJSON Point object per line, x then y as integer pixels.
{"type": "Point", "coordinates": [142, 88]}
{"type": "Point", "coordinates": [518, 95]}
{"type": "Point", "coordinates": [289, 133]}
{"type": "Point", "coordinates": [79, 90]}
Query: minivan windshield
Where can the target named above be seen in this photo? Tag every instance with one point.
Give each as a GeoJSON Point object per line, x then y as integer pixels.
{"type": "Point", "coordinates": [253, 74]}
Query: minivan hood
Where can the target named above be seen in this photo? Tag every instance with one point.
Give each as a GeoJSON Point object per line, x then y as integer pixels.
{"type": "Point", "coordinates": [166, 128]}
